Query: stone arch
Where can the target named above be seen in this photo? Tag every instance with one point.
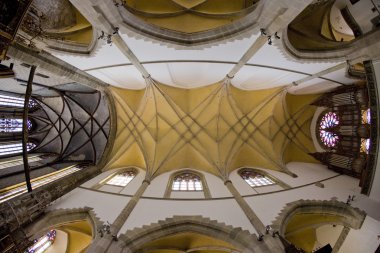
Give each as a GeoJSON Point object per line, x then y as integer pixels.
{"type": "Point", "coordinates": [244, 241]}
{"type": "Point", "coordinates": [351, 217]}
{"type": "Point", "coordinates": [62, 216]}
{"type": "Point", "coordinates": [360, 47]}
{"type": "Point", "coordinates": [206, 190]}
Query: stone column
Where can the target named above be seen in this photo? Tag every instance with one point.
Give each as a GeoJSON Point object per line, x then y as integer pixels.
{"type": "Point", "coordinates": [272, 243]}
{"type": "Point", "coordinates": [341, 239]}
{"type": "Point", "coordinates": [104, 244]}
{"type": "Point", "coordinates": [25, 131]}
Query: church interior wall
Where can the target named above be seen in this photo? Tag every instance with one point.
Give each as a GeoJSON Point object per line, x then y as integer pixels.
{"type": "Point", "coordinates": [375, 191]}
{"type": "Point", "coordinates": [152, 210]}
{"type": "Point", "coordinates": [360, 240]}
{"type": "Point", "coordinates": [106, 206]}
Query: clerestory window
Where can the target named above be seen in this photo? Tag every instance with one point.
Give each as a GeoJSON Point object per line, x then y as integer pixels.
{"type": "Point", "coordinates": [187, 182]}
{"type": "Point", "coordinates": [42, 244]}
{"type": "Point", "coordinates": [122, 178]}
{"type": "Point", "coordinates": [255, 179]}
{"type": "Point", "coordinates": [14, 148]}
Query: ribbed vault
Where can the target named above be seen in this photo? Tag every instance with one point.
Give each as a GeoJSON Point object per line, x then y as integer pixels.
{"type": "Point", "coordinates": [73, 125]}
{"type": "Point", "coordinates": [217, 128]}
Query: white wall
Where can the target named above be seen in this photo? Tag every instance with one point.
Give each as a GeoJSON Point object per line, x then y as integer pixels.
{"type": "Point", "coordinates": [362, 13]}
{"type": "Point", "coordinates": [327, 234]}
{"type": "Point", "coordinates": [216, 186]}
{"type": "Point", "coordinates": [149, 211]}
{"type": "Point", "coordinates": [157, 186]}
{"type": "Point", "coordinates": [106, 206]}
{"type": "Point", "coordinates": [307, 173]}
{"type": "Point", "coordinates": [187, 195]}
{"type": "Point", "coordinates": [363, 240]}
{"type": "Point", "coordinates": [267, 207]}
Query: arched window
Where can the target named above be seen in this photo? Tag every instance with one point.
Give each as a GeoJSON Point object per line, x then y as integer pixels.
{"type": "Point", "coordinates": [327, 136]}
{"type": "Point", "coordinates": [365, 145]}
{"type": "Point", "coordinates": [17, 102]}
{"type": "Point", "coordinates": [366, 116]}
{"type": "Point", "coordinates": [122, 178]}
{"type": "Point", "coordinates": [43, 243]}
{"type": "Point", "coordinates": [13, 148]}
{"type": "Point", "coordinates": [13, 124]}
{"type": "Point", "coordinates": [255, 179]}
{"type": "Point", "coordinates": [187, 182]}
{"type": "Point", "coordinates": [11, 192]}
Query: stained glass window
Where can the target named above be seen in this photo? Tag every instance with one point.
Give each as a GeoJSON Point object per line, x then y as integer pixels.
{"type": "Point", "coordinates": [328, 137]}
{"type": "Point", "coordinates": [122, 179]}
{"type": "Point", "coordinates": [13, 125]}
{"type": "Point", "coordinates": [13, 101]}
{"type": "Point", "coordinates": [187, 182]}
{"type": "Point", "coordinates": [255, 179]}
{"type": "Point", "coordinates": [38, 182]}
{"type": "Point", "coordinates": [11, 148]}
{"type": "Point", "coordinates": [43, 243]}
{"type": "Point", "coordinates": [366, 116]}
{"type": "Point", "coordinates": [365, 145]}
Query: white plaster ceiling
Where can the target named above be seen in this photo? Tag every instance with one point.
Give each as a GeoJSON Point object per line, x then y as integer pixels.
{"type": "Point", "coordinates": [339, 75]}
{"type": "Point", "coordinates": [313, 86]}
{"type": "Point", "coordinates": [189, 74]}
{"type": "Point", "coordinates": [255, 78]}
{"type": "Point", "coordinates": [149, 51]}
{"type": "Point", "coordinates": [103, 55]}
{"type": "Point", "coordinates": [268, 68]}
{"type": "Point", "coordinates": [120, 76]}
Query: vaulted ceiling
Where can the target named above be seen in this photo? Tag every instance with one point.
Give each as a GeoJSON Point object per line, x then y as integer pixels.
{"type": "Point", "coordinates": [216, 128]}
{"type": "Point", "coordinates": [188, 107]}
{"type": "Point", "coordinates": [189, 16]}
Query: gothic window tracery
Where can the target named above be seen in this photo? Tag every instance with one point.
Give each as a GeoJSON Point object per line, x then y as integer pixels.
{"type": "Point", "coordinates": [255, 179]}
{"type": "Point", "coordinates": [38, 182]}
{"type": "Point", "coordinates": [122, 179]}
{"type": "Point", "coordinates": [366, 116]}
{"type": "Point", "coordinates": [16, 102]}
{"type": "Point", "coordinates": [13, 124]}
{"type": "Point", "coordinates": [42, 244]}
{"type": "Point", "coordinates": [365, 145]}
{"type": "Point", "coordinates": [187, 182]}
{"type": "Point", "coordinates": [12, 148]}
{"type": "Point", "coordinates": [328, 137]}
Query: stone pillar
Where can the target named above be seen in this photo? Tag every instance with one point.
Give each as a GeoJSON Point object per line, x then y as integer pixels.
{"type": "Point", "coordinates": [25, 131]}
{"type": "Point", "coordinates": [341, 239]}
{"type": "Point", "coordinates": [272, 243]}
{"type": "Point", "coordinates": [105, 243]}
